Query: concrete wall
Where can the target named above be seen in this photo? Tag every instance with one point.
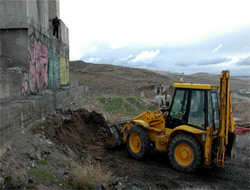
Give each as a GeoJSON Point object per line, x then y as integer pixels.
{"type": "Point", "coordinates": [64, 70]}
{"type": "Point", "coordinates": [13, 14]}
{"type": "Point", "coordinates": [53, 8]}
{"type": "Point", "coordinates": [34, 65]}
{"type": "Point", "coordinates": [14, 43]}
{"type": "Point", "coordinates": [18, 115]}
{"type": "Point", "coordinates": [54, 68]}
{"type": "Point", "coordinates": [27, 42]}
{"type": "Point", "coordinates": [64, 33]}
{"type": "Point", "coordinates": [38, 15]}
{"type": "Point", "coordinates": [38, 61]}
{"type": "Point", "coordinates": [11, 83]}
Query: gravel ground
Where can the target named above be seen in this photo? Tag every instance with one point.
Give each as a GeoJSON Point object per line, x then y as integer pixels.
{"type": "Point", "coordinates": [46, 156]}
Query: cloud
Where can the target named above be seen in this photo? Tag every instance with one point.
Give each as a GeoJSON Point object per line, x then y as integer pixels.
{"type": "Point", "coordinates": [94, 49]}
{"type": "Point", "coordinates": [232, 50]}
{"type": "Point", "coordinates": [126, 58]}
{"type": "Point", "coordinates": [117, 44]}
{"type": "Point", "coordinates": [146, 56]}
{"type": "Point", "coordinates": [217, 48]}
{"type": "Point", "coordinates": [93, 59]}
{"type": "Point", "coordinates": [184, 64]}
{"type": "Point", "coordinates": [214, 61]}
{"type": "Point", "coordinates": [243, 61]}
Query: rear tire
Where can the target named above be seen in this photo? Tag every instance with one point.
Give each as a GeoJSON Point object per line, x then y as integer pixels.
{"type": "Point", "coordinates": [138, 142]}
{"type": "Point", "coordinates": [184, 153]}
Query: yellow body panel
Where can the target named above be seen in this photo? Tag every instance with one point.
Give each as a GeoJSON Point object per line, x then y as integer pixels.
{"type": "Point", "coordinates": [161, 142]}
{"type": "Point", "coordinates": [186, 128]}
{"type": "Point", "coordinates": [196, 86]}
{"type": "Point", "coordinates": [208, 146]}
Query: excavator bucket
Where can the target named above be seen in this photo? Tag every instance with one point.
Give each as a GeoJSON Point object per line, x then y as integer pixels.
{"type": "Point", "coordinates": [114, 136]}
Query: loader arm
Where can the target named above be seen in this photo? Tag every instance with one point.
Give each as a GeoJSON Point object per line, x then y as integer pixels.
{"type": "Point", "coordinates": [226, 122]}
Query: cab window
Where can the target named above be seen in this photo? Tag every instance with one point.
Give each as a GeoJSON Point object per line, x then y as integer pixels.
{"type": "Point", "coordinates": [179, 106]}
{"type": "Point", "coordinates": [215, 103]}
{"type": "Point", "coordinates": [210, 110]}
{"type": "Point", "coordinates": [196, 115]}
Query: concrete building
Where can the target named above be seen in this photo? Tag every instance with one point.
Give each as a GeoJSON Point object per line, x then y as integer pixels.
{"type": "Point", "coordinates": [34, 66]}
{"type": "Point", "coordinates": [31, 58]}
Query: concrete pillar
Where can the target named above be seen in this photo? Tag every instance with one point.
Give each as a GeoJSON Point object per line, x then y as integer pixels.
{"type": "Point", "coordinates": [26, 33]}
{"type": "Point", "coordinates": [54, 9]}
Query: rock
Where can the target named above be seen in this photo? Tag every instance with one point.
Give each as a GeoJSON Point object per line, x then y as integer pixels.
{"type": "Point", "coordinates": [1, 181]}
{"type": "Point", "coordinates": [98, 158]}
{"type": "Point", "coordinates": [119, 186]}
{"type": "Point", "coordinates": [99, 186]}
{"type": "Point", "coordinates": [66, 118]}
{"type": "Point", "coordinates": [69, 152]}
{"type": "Point", "coordinates": [135, 188]}
{"type": "Point", "coordinates": [30, 180]}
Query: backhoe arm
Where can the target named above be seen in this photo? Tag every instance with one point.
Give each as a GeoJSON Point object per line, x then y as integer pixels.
{"type": "Point", "coordinates": [226, 122]}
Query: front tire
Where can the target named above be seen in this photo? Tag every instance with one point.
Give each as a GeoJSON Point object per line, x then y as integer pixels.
{"type": "Point", "coordinates": [184, 153]}
{"type": "Point", "coordinates": [138, 142]}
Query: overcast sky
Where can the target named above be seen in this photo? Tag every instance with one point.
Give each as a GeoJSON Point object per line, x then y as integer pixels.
{"type": "Point", "coordinates": [179, 36]}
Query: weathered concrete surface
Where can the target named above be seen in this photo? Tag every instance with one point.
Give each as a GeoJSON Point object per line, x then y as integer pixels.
{"type": "Point", "coordinates": [13, 14]}
{"type": "Point", "coordinates": [15, 47]}
{"type": "Point", "coordinates": [72, 97]}
{"type": "Point", "coordinates": [11, 82]}
{"type": "Point", "coordinates": [38, 15]}
{"type": "Point", "coordinates": [32, 62]}
{"type": "Point", "coordinates": [23, 13]}
{"type": "Point", "coordinates": [53, 8]}
{"type": "Point", "coordinates": [15, 44]}
{"type": "Point", "coordinates": [64, 33]}
{"type": "Point", "coordinates": [19, 114]}
{"type": "Point", "coordinates": [27, 42]}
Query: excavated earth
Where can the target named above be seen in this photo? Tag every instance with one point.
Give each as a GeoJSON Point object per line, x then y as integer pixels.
{"type": "Point", "coordinates": [67, 138]}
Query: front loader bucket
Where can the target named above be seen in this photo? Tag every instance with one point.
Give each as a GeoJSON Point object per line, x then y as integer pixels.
{"type": "Point", "coordinates": [114, 137]}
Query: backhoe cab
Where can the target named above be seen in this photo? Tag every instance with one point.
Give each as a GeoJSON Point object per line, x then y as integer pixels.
{"type": "Point", "coordinates": [198, 128]}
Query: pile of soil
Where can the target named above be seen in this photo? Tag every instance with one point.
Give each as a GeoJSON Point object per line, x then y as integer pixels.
{"type": "Point", "coordinates": [79, 130]}
{"type": "Point", "coordinates": [45, 156]}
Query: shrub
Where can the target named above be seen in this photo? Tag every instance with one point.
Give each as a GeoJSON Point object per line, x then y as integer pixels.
{"type": "Point", "coordinates": [91, 175]}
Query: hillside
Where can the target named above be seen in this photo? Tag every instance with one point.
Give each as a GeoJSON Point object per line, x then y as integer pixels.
{"type": "Point", "coordinates": [125, 85]}
{"type": "Point", "coordinates": [110, 79]}
{"type": "Point", "coordinates": [126, 80]}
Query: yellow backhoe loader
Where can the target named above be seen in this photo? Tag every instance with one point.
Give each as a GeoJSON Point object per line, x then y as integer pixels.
{"type": "Point", "coordinates": [197, 129]}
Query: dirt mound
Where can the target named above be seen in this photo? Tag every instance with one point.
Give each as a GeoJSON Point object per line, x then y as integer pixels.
{"type": "Point", "coordinates": [78, 129]}
{"type": "Point", "coordinates": [45, 157]}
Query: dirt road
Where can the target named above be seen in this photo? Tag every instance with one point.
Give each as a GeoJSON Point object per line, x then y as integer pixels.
{"type": "Point", "coordinates": [156, 173]}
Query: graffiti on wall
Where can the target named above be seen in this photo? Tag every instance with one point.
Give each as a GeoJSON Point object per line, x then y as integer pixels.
{"type": "Point", "coordinates": [46, 68]}
{"type": "Point", "coordinates": [38, 58]}
{"type": "Point", "coordinates": [64, 70]}
{"type": "Point", "coordinates": [25, 87]}
{"type": "Point", "coordinates": [54, 68]}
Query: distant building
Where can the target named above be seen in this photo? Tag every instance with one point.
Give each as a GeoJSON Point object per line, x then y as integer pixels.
{"type": "Point", "coordinates": [242, 91]}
